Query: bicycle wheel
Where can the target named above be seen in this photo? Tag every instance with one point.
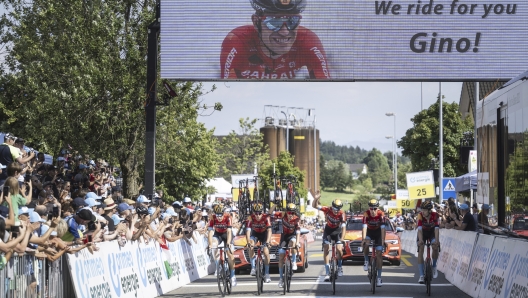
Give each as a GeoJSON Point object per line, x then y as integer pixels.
{"type": "Point", "coordinates": [285, 276]}
{"type": "Point", "coordinates": [262, 275]}
{"type": "Point", "coordinates": [257, 271]}
{"type": "Point", "coordinates": [220, 272]}
{"type": "Point", "coordinates": [428, 276]}
{"type": "Point", "coordinates": [290, 274]}
{"type": "Point", "coordinates": [374, 275]}
{"type": "Point", "coordinates": [333, 274]}
{"type": "Point", "coordinates": [227, 276]}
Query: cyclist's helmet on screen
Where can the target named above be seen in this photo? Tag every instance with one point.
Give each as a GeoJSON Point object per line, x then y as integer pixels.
{"type": "Point", "coordinates": [278, 6]}
{"type": "Point", "coordinates": [373, 203]}
{"type": "Point", "coordinates": [337, 203]}
{"type": "Point", "coordinates": [427, 205]}
{"type": "Point", "coordinates": [291, 207]}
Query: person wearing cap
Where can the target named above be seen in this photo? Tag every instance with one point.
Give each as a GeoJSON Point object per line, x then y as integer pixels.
{"type": "Point", "coordinates": [142, 201]}
{"type": "Point", "coordinates": [475, 212]}
{"type": "Point", "coordinates": [40, 235]}
{"type": "Point", "coordinates": [93, 206]}
{"type": "Point", "coordinates": [117, 194]}
{"type": "Point", "coordinates": [467, 223]}
{"type": "Point", "coordinates": [9, 154]}
{"type": "Point", "coordinates": [125, 211]}
{"type": "Point", "coordinates": [15, 198]}
{"type": "Point", "coordinates": [75, 224]}
{"type": "Point", "coordinates": [483, 218]}
{"type": "Point", "coordinates": [187, 203]}
{"type": "Point", "coordinates": [23, 235]}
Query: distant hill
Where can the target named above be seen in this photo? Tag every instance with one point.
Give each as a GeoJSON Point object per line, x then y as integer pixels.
{"type": "Point", "coordinates": [347, 154]}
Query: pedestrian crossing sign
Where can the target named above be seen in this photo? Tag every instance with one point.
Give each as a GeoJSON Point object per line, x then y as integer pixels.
{"type": "Point", "coordinates": [449, 186]}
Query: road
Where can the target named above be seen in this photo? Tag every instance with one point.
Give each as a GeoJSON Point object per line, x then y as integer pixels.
{"type": "Point", "coordinates": [398, 281]}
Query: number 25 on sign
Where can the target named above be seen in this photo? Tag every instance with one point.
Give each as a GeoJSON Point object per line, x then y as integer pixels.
{"type": "Point", "coordinates": [421, 192]}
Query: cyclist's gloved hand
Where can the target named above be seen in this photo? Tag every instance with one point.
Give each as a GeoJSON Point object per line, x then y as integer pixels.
{"type": "Point", "coordinates": [420, 243]}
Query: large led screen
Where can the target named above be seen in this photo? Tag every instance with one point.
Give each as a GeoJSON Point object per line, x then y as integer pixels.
{"type": "Point", "coordinates": [344, 40]}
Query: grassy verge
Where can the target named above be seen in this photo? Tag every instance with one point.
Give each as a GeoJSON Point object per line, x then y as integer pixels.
{"type": "Point", "coordinates": [328, 196]}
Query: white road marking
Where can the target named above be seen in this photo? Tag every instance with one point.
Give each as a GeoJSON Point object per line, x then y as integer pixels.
{"type": "Point", "coordinates": [318, 282]}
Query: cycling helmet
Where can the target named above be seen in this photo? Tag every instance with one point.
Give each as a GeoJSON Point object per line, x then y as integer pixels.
{"type": "Point", "coordinates": [141, 210]}
{"type": "Point", "coordinates": [373, 203]}
{"type": "Point", "coordinates": [278, 6]}
{"type": "Point", "coordinates": [427, 205]}
{"type": "Point", "coordinates": [218, 209]}
{"type": "Point", "coordinates": [337, 204]}
{"type": "Point", "coordinates": [258, 207]}
{"type": "Point", "coordinates": [291, 207]}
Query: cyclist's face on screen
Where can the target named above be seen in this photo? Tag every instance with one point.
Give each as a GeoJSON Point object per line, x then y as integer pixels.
{"type": "Point", "coordinates": [280, 40]}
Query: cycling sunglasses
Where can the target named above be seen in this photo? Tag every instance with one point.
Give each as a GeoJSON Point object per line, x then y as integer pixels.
{"type": "Point", "coordinates": [219, 214]}
{"type": "Point", "coordinates": [290, 212]}
{"type": "Point", "coordinates": [335, 209]}
{"type": "Point", "coordinates": [257, 212]}
{"type": "Point", "coordinates": [276, 23]}
{"type": "Point", "coordinates": [373, 208]}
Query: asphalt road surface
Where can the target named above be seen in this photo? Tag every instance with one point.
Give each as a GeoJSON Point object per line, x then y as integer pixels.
{"type": "Point", "coordinates": [398, 281]}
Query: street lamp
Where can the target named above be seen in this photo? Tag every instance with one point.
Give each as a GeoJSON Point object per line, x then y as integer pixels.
{"type": "Point", "coordinates": [395, 155]}
{"type": "Point", "coordinates": [393, 159]}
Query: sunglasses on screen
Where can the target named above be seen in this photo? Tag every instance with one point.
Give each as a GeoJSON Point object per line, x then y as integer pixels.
{"type": "Point", "coordinates": [373, 208]}
{"type": "Point", "coordinates": [276, 23]}
{"type": "Point", "coordinates": [219, 214]}
{"type": "Point", "coordinates": [258, 213]}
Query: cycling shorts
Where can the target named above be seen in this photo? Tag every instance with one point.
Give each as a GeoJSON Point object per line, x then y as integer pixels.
{"type": "Point", "coordinates": [335, 234]}
{"type": "Point", "coordinates": [286, 238]}
{"type": "Point", "coordinates": [259, 237]}
{"type": "Point", "coordinates": [222, 237]}
{"type": "Point", "coordinates": [376, 236]}
{"type": "Point", "coordinates": [429, 234]}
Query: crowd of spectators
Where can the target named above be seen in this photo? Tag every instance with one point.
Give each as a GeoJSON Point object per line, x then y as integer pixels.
{"type": "Point", "coordinates": [47, 210]}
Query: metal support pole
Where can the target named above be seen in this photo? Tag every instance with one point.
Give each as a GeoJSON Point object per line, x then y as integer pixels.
{"type": "Point", "coordinates": [287, 124]}
{"type": "Point", "coordinates": [395, 159]}
{"type": "Point", "coordinates": [150, 106]}
{"type": "Point", "coordinates": [315, 156]}
{"type": "Point", "coordinates": [475, 102]}
{"type": "Point", "coordinates": [441, 142]}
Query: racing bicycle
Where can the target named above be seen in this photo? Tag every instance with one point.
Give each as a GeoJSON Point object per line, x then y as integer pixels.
{"type": "Point", "coordinates": [223, 276]}
{"type": "Point", "coordinates": [372, 268]}
{"type": "Point", "coordinates": [333, 263]}
{"type": "Point", "coordinates": [287, 269]}
{"type": "Point", "coordinates": [259, 269]}
{"type": "Point", "coordinates": [428, 274]}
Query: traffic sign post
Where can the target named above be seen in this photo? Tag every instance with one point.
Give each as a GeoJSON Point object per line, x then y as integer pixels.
{"type": "Point", "coordinates": [421, 185]}
{"type": "Point", "coordinates": [448, 184]}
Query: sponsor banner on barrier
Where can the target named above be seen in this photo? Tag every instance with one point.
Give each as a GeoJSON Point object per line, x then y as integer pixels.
{"type": "Point", "coordinates": [447, 241]}
{"type": "Point", "coordinates": [138, 268]}
{"type": "Point", "coordinates": [465, 244]}
{"type": "Point", "coordinates": [479, 261]}
{"type": "Point", "coordinates": [497, 270]}
{"type": "Point", "coordinates": [516, 281]}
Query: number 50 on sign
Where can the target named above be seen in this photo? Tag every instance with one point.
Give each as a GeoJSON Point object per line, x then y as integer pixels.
{"type": "Point", "coordinates": [421, 185]}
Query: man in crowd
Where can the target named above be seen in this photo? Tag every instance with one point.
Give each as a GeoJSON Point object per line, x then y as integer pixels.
{"type": "Point", "coordinates": [9, 154]}
{"type": "Point", "coordinates": [483, 218]}
{"type": "Point", "coordinates": [467, 223]}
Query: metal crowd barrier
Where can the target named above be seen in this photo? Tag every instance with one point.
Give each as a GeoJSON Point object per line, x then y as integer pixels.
{"type": "Point", "coordinates": [28, 277]}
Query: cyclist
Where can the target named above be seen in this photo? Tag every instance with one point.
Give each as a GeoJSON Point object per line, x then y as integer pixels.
{"type": "Point", "coordinates": [220, 231]}
{"type": "Point", "coordinates": [374, 229]}
{"type": "Point", "coordinates": [291, 231]}
{"type": "Point", "coordinates": [335, 228]}
{"type": "Point", "coordinates": [259, 230]}
{"type": "Point", "coordinates": [428, 228]}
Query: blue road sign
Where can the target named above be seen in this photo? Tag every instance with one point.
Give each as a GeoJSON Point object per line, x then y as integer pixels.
{"type": "Point", "coordinates": [448, 185]}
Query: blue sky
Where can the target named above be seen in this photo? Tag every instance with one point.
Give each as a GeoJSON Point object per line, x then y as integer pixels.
{"type": "Point", "coordinates": [347, 113]}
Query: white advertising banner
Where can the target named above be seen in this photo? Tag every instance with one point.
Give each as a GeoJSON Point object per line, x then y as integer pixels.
{"type": "Point", "coordinates": [447, 242]}
{"type": "Point", "coordinates": [499, 265]}
{"type": "Point", "coordinates": [479, 261]}
{"type": "Point", "coordinates": [138, 269]}
{"type": "Point", "coordinates": [402, 194]}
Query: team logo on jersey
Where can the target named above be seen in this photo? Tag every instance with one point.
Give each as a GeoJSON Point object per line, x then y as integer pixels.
{"type": "Point", "coordinates": [292, 64]}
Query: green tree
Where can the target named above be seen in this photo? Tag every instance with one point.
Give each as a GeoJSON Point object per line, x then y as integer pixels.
{"type": "Point", "coordinates": [420, 142]}
{"type": "Point", "coordinates": [239, 152]}
{"type": "Point", "coordinates": [403, 169]}
{"type": "Point", "coordinates": [336, 175]}
{"type": "Point", "coordinates": [74, 74]}
{"type": "Point", "coordinates": [378, 167]}
{"type": "Point", "coordinates": [516, 176]}
{"type": "Point", "coordinates": [367, 184]}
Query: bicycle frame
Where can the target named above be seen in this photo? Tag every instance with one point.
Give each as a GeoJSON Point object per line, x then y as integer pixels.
{"type": "Point", "coordinates": [373, 269]}
{"type": "Point", "coordinates": [287, 263]}
{"type": "Point", "coordinates": [428, 274]}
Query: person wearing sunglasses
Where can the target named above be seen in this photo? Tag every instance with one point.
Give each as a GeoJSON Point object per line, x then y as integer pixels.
{"type": "Point", "coordinates": [428, 228]}
{"type": "Point", "coordinates": [275, 46]}
{"type": "Point", "coordinates": [335, 227]}
{"type": "Point", "coordinates": [220, 231]}
{"type": "Point", "coordinates": [374, 229]}
{"type": "Point", "coordinates": [291, 231]}
{"type": "Point", "coordinates": [259, 230]}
